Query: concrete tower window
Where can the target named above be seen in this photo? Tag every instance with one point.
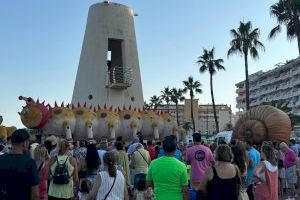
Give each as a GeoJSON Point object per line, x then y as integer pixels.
{"type": "Point", "coordinates": [115, 60]}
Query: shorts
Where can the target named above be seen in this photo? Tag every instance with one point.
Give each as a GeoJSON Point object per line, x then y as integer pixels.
{"type": "Point", "coordinates": [138, 178]}
{"type": "Point", "coordinates": [290, 175]}
{"type": "Point", "coordinates": [281, 173]}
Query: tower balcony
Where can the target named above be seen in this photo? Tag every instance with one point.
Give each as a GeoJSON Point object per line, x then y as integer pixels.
{"type": "Point", "coordinates": [119, 78]}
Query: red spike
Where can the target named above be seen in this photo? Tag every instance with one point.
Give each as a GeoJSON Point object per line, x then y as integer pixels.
{"type": "Point", "coordinates": [62, 104]}
{"type": "Point", "coordinates": [139, 110]}
{"type": "Point", "coordinates": [115, 110]}
{"type": "Point", "coordinates": [124, 108]}
{"type": "Point", "coordinates": [37, 101]}
{"type": "Point", "coordinates": [134, 109]}
{"type": "Point", "coordinates": [43, 102]}
{"type": "Point", "coordinates": [73, 107]}
{"type": "Point", "coordinates": [95, 109]}
{"type": "Point", "coordinates": [110, 108]}
{"type": "Point", "coordinates": [129, 107]}
{"type": "Point", "coordinates": [99, 107]}
{"type": "Point", "coordinates": [78, 105]}
{"type": "Point", "coordinates": [119, 109]}
{"type": "Point", "coordinates": [68, 105]}
{"type": "Point", "coordinates": [55, 104]}
{"type": "Point", "coordinates": [104, 106]}
{"type": "Point", "coordinates": [91, 107]}
{"type": "Point", "coordinates": [84, 105]}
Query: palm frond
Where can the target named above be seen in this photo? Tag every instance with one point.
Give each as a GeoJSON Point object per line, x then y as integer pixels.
{"type": "Point", "coordinates": [254, 53]}
{"type": "Point", "coordinates": [274, 32]}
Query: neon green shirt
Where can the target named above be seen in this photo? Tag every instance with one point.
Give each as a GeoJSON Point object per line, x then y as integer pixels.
{"type": "Point", "coordinates": [169, 175]}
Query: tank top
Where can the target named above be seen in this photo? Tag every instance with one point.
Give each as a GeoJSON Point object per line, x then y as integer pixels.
{"type": "Point", "coordinates": [219, 188]}
{"type": "Point", "coordinates": [117, 192]}
{"type": "Point", "coordinates": [63, 190]}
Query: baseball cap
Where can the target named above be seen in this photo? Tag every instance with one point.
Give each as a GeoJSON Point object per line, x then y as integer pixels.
{"type": "Point", "coordinates": [20, 135]}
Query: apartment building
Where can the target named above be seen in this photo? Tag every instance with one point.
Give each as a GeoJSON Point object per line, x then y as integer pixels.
{"type": "Point", "coordinates": [203, 115]}
{"type": "Point", "coordinates": [280, 83]}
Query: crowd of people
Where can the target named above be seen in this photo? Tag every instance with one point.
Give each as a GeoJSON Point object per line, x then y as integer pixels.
{"type": "Point", "coordinates": [114, 170]}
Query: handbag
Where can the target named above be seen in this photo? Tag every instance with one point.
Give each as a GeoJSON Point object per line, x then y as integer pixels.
{"type": "Point", "coordinates": [242, 192]}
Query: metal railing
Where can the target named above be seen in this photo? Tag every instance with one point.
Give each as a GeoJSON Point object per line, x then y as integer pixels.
{"type": "Point", "coordinates": [119, 75]}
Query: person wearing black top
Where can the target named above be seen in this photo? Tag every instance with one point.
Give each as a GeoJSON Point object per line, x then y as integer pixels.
{"type": "Point", "coordinates": [19, 178]}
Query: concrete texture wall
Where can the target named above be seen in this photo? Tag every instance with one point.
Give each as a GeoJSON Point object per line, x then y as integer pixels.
{"type": "Point", "coordinates": [107, 21]}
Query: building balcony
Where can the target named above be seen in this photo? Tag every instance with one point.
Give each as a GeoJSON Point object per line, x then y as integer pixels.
{"type": "Point", "coordinates": [119, 78]}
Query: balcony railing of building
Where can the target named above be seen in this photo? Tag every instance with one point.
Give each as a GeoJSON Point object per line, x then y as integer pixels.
{"type": "Point", "coordinates": [119, 78]}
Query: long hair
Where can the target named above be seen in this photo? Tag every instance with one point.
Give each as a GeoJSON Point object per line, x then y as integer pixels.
{"type": "Point", "coordinates": [242, 147]}
{"type": "Point", "coordinates": [110, 159]}
{"type": "Point", "coordinates": [238, 158]}
{"type": "Point", "coordinates": [92, 158]}
{"type": "Point", "coordinates": [63, 146]}
{"type": "Point", "coordinates": [40, 155]}
{"type": "Point", "coordinates": [269, 154]}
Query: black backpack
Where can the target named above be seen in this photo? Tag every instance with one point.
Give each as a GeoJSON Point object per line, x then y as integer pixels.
{"type": "Point", "coordinates": [61, 174]}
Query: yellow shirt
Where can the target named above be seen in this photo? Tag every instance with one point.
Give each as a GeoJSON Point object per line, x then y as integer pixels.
{"type": "Point", "coordinates": [140, 164]}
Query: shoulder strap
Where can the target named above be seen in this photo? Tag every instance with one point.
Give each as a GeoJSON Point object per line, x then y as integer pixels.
{"type": "Point", "coordinates": [66, 160]}
{"type": "Point", "coordinates": [143, 157]}
{"type": "Point", "coordinates": [41, 165]}
{"type": "Point", "coordinates": [111, 187]}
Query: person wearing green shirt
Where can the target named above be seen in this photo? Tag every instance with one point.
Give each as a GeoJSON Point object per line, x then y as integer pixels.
{"type": "Point", "coordinates": [167, 175]}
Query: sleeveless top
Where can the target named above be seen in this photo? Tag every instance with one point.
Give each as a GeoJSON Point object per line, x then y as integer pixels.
{"type": "Point", "coordinates": [268, 189]}
{"type": "Point", "coordinates": [117, 192]}
{"type": "Point", "coordinates": [219, 188]}
{"type": "Point", "coordinates": [62, 190]}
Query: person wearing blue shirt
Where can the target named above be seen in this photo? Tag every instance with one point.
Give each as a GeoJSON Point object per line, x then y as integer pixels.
{"type": "Point", "coordinates": [177, 154]}
{"type": "Point", "coordinates": [254, 160]}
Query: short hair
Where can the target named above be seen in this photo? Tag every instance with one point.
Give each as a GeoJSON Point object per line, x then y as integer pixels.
{"type": "Point", "coordinates": [249, 142]}
{"type": "Point", "coordinates": [169, 144]}
{"type": "Point", "coordinates": [197, 137]}
{"type": "Point", "coordinates": [293, 141]}
{"type": "Point", "coordinates": [119, 145]}
{"type": "Point", "coordinates": [224, 153]}
{"type": "Point", "coordinates": [149, 142]}
{"type": "Point", "coordinates": [174, 137]}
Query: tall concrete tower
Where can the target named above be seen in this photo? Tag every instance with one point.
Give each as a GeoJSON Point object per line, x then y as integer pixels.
{"type": "Point", "coordinates": [108, 71]}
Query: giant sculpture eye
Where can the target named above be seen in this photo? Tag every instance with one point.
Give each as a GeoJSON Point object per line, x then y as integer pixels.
{"type": "Point", "coordinates": [79, 112]}
{"type": "Point", "coordinates": [127, 116]}
{"type": "Point", "coordinates": [103, 115]}
{"type": "Point", "coordinates": [58, 111]}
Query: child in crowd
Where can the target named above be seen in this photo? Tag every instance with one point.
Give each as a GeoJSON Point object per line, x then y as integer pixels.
{"type": "Point", "coordinates": [281, 176]}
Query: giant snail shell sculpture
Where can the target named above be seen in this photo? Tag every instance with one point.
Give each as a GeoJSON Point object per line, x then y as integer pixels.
{"type": "Point", "coordinates": [263, 123]}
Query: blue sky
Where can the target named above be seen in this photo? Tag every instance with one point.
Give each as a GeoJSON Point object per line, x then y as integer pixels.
{"type": "Point", "coordinates": [41, 43]}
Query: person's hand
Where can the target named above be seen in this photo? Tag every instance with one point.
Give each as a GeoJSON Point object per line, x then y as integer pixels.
{"type": "Point", "coordinates": [148, 193]}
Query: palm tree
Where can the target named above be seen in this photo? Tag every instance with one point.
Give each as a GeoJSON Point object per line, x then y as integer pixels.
{"type": "Point", "coordinates": [192, 87]}
{"type": "Point", "coordinates": [208, 63]}
{"type": "Point", "coordinates": [155, 101]}
{"type": "Point", "coordinates": [166, 95]}
{"type": "Point", "coordinates": [146, 105]}
{"type": "Point", "coordinates": [176, 96]}
{"type": "Point", "coordinates": [245, 40]}
{"type": "Point", "coordinates": [287, 13]}
{"type": "Point", "coordinates": [187, 126]}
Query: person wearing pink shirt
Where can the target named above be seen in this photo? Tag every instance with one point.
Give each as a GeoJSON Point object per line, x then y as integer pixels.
{"type": "Point", "coordinates": [200, 158]}
{"type": "Point", "coordinates": [289, 162]}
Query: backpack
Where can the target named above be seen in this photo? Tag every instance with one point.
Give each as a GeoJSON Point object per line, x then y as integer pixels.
{"type": "Point", "coordinates": [61, 174]}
